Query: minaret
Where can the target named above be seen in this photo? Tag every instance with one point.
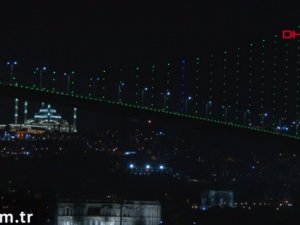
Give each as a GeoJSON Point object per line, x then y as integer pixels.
{"type": "Point", "coordinates": [48, 115]}
{"type": "Point", "coordinates": [25, 111]}
{"type": "Point", "coordinates": [74, 120]}
{"type": "Point", "coordinates": [16, 110]}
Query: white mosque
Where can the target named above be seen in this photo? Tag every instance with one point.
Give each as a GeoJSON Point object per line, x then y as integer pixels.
{"type": "Point", "coordinates": [46, 119]}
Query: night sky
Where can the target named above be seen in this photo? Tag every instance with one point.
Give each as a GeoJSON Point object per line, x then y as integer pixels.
{"type": "Point", "coordinates": [87, 34]}
{"type": "Point", "coordinates": [186, 55]}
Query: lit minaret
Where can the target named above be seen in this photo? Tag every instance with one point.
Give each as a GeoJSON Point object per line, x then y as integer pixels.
{"type": "Point", "coordinates": [25, 111]}
{"type": "Point", "coordinates": [16, 110]}
{"type": "Point", "coordinates": [49, 107]}
{"type": "Point", "coordinates": [74, 119]}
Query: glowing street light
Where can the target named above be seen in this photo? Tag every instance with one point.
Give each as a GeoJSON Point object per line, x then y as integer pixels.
{"type": "Point", "coordinates": [207, 107]}
{"type": "Point", "coordinates": [143, 93]}
{"type": "Point", "coordinates": [68, 75]}
{"type": "Point", "coordinates": [262, 118]}
{"type": "Point", "coordinates": [186, 103]}
{"type": "Point", "coordinates": [11, 64]}
{"type": "Point", "coordinates": [282, 125]}
{"type": "Point", "coordinates": [296, 125]}
{"type": "Point", "coordinates": [245, 113]}
{"type": "Point", "coordinates": [40, 72]}
{"type": "Point", "coordinates": [165, 96]}
{"type": "Point", "coordinates": [53, 80]}
{"type": "Point", "coordinates": [120, 85]}
{"type": "Point", "coordinates": [93, 84]}
{"type": "Point", "coordinates": [226, 108]}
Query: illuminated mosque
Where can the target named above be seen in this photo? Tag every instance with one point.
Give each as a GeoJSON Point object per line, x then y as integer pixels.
{"type": "Point", "coordinates": [46, 119]}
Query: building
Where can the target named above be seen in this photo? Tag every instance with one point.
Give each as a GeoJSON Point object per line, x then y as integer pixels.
{"type": "Point", "coordinates": [99, 213]}
{"type": "Point", "coordinates": [221, 199]}
{"type": "Point", "coordinates": [46, 119]}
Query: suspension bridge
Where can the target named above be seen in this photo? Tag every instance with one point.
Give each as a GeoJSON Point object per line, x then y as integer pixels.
{"type": "Point", "coordinates": [255, 86]}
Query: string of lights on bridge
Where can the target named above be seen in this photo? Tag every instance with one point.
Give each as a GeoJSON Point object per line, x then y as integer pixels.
{"type": "Point", "coordinates": [255, 87]}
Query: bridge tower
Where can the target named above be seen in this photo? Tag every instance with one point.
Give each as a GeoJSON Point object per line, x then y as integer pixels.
{"type": "Point", "coordinates": [48, 116]}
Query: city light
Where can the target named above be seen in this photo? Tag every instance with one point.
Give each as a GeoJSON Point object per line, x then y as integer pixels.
{"type": "Point", "coordinates": [182, 115]}
{"type": "Point", "coordinates": [175, 115]}
{"type": "Point", "coordinates": [256, 117]}
{"type": "Point", "coordinates": [68, 75]}
{"type": "Point", "coordinates": [11, 64]}
{"type": "Point", "coordinates": [39, 71]}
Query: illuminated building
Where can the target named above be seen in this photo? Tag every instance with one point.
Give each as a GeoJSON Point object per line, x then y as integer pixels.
{"type": "Point", "coordinates": [47, 119]}
{"type": "Point", "coordinates": [211, 199]}
{"type": "Point", "coordinates": [98, 213]}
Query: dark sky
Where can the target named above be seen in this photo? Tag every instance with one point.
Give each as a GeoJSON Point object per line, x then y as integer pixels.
{"type": "Point", "coordinates": [91, 34]}
{"type": "Point", "coordinates": [85, 34]}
